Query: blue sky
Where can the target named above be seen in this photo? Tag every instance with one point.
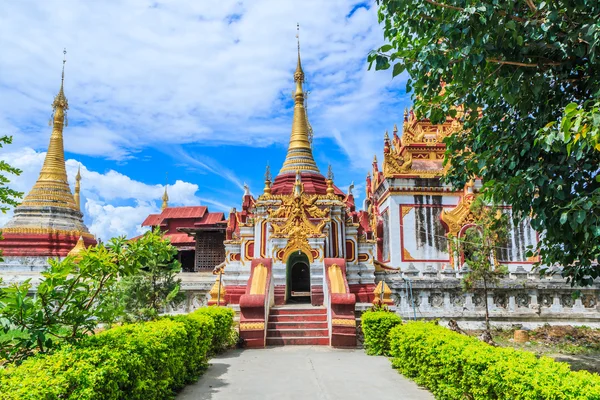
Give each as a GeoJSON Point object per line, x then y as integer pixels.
{"type": "Point", "coordinates": [198, 89]}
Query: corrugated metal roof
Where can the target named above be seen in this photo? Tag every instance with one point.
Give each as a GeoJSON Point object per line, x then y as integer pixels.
{"type": "Point", "coordinates": [180, 238]}
{"type": "Point", "coordinates": [152, 220]}
{"type": "Point", "coordinates": [183, 212]}
{"type": "Point", "coordinates": [211, 219]}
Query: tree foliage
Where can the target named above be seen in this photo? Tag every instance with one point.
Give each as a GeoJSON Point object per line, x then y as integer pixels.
{"type": "Point", "coordinates": [478, 246]}
{"type": "Point", "coordinates": [525, 77]}
{"type": "Point", "coordinates": [75, 294]}
{"type": "Point", "coordinates": [141, 297]}
{"type": "Point", "coordinates": [8, 196]}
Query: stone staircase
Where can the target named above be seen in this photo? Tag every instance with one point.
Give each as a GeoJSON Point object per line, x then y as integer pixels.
{"type": "Point", "coordinates": [297, 325]}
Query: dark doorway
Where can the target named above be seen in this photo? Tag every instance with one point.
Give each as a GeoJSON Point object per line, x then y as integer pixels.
{"type": "Point", "coordinates": [298, 279]}
{"type": "Point", "coordinates": [186, 258]}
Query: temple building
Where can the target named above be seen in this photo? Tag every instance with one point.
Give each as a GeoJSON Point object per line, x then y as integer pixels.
{"type": "Point", "coordinates": [413, 215]}
{"type": "Point", "coordinates": [412, 212]}
{"type": "Point", "coordinates": [197, 233]}
{"type": "Point", "coordinates": [49, 222]}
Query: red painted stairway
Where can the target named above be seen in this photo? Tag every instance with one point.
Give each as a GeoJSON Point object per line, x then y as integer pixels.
{"type": "Point", "coordinates": [297, 325]}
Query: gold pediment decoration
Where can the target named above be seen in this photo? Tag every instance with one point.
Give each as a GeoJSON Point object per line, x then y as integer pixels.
{"type": "Point", "coordinates": [459, 216]}
{"type": "Point", "coordinates": [295, 214]}
{"type": "Point", "coordinates": [297, 241]}
{"type": "Point", "coordinates": [396, 164]}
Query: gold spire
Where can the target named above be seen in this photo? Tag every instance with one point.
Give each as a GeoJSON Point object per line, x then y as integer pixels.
{"type": "Point", "coordinates": [165, 197]}
{"type": "Point", "coordinates": [76, 251]}
{"type": "Point", "coordinates": [267, 189]}
{"type": "Point", "coordinates": [52, 187]}
{"type": "Point", "coordinates": [299, 155]}
{"type": "Point", "coordinates": [78, 188]}
{"type": "Point", "coordinates": [330, 190]}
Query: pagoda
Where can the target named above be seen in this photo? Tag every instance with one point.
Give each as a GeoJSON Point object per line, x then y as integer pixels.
{"type": "Point", "coordinates": [300, 244]}
{"type": "Point", "coordinates": [49, 222]}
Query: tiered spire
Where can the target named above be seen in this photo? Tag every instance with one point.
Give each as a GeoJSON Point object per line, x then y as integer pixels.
{"type": "Point", "coordinates": [299, 156]}
{"type": "Point", "coordinates": [165, 197]}
{"type": "Point", "coordinates": [52, 187]}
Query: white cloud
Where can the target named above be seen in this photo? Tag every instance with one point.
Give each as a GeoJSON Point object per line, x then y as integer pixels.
{"type": "Point", "coordinates": [145, 72]}
{"type": "Point", "coordinates": [98, 191]}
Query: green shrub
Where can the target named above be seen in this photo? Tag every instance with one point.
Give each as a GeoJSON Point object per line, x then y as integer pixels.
{"type": "Point", "coordinates": [223, 318]}
{"type": "Point", "coordinates": [376, 326]}
{"type": "Point", "coordinates": [455, 366]}
{"type": "Point", "coordinates": [139, 361]}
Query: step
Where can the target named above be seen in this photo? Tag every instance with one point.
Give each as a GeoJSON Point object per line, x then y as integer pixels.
{"type": "Point", "coordinates": [296, 311]}
{"type": "Point", "coordinates": [298, 318]}
{"type": "Point", "coordinates": [297, 325]}
{"type": "Point", "coordinates": [289, 333]}
{"type": "Point", "coordinates": [297, 341]}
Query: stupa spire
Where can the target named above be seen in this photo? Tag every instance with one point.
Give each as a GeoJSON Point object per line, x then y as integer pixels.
{"type": "Point", "coordinates": [78, 188]}
{"type": "Point", "coordinates": [299, 156]}
{"type": "Point", "coordinates": [165, 196]}
{"type": "Point", "coordinates": [52, 187]}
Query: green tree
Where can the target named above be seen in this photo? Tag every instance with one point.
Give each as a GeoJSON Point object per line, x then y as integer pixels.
{"type": "Point", "coordinates": [477, 246]}
{"type": "Point", "coordinates": [8, 196]}
{"type": "Point", "coordinates": [69, 300]}
{"type": "Point", "coordinates": [525, 77]}
{"type": "Point", "coordinates": [77, 293]}
{"type": "Point", "coordinates": [144, 295]}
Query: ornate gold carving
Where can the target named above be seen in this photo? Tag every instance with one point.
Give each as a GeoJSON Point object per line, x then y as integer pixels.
{"type": "Point", "coordinates": [343, 322]}
{"type": "Point", "coordinates": [297, 241]}
{"type": "Point", "coordinates": [406, 210]}
{"type": "Point", "coordinates": [396, 164]}
{"type": "Point", "coordinates": [459, 215]}
{"type": "Point", "coordinates": [336, 279]}
{"type": "Point", "coordinates": [48, 231]}
{"type": "Point", "coordinates": [214, 292]}
{"type": "Point", "coordinates": [383, 294]}
{"type": "Point", "coordinates": [252, 326]}
{"type": "Point", "coordinates": [259, 279]}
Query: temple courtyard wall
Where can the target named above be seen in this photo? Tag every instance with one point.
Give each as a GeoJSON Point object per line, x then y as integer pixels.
{"type": "Point", "coordinates": [521, 299]}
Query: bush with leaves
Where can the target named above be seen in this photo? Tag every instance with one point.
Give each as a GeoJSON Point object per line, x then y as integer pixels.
{"type": "Point", "coordinates": [223, 317]}
{"type": "Point", "coordinates": [455, 366]}
{"type": "Point", "coordinates": [144, 361]}
{"type": "Point", "coordinates": [524, 78]}
{"type": "Point", "coordinates": [74, 295]}
{"type": "Point", "coordinates": [376, 326]}
{"type": "Point", "coordinates": [143, 296]}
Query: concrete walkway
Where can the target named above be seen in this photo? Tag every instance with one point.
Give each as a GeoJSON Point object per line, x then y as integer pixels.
{"type": "Point", "coordinates": [301, 372]}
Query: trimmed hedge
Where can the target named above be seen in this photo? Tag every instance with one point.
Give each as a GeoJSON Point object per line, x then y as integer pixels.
{"type": "Point", "coordinates": [455, 366]}
{"type": "Point", "coordinates": [223, 317]}
{"type": "Point", "coordinates": [139, 361]}
{"type": "Point", "coordinates": [376, 326]}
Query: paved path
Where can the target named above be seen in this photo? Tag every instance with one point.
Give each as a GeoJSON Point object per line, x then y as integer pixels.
{"type": "Point", "coordinates": [301, 372]}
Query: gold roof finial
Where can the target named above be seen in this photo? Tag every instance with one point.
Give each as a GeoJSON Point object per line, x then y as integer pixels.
{"type": "Point", "coordinates": [52, 187]}
{"type": "Point", "coordinates": [165, 197]}
{"type": "Point", "coordinates": [299, 155]}
{"type": "Point", "coordinates": [299, 74]}
{"type": "Point", "coordinates": [78, 187]}
{"type": "Point", "coordinates": [329, 173]}
{"type": "Point", "coordinates": [375, 159]}
{"type": "Point", "coordinates": [386, 136]}
{"type": "Point", "coordinates": [395, 128]}
{"type": "Point", "coordinates": [267, 189]}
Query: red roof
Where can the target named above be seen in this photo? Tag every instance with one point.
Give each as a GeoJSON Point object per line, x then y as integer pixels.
{"type": "Point", "coordinates": [152, 220]}
{"type": "Point", "coordinates": [180, 238]}
{"type": "Point", "coordinates": [184, 212]}
{"type": "Point", "coordinates": [313, 184]}
{"type": "Point", "coordinates": [212, 219]}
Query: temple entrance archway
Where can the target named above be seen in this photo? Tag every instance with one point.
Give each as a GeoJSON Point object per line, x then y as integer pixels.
{"type": "Point", "coordinates": [298, 278]}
